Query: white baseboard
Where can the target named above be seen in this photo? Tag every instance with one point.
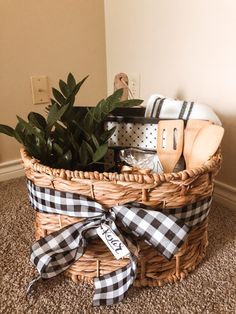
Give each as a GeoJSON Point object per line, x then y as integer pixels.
{"type": "Point", "coordinates": [225, 194]}
{"type": "Point", "coordinates": [11, 169]}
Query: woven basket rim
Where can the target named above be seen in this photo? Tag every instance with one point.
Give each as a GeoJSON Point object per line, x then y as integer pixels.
{"type": "Point", "coordinates": [30, 162]}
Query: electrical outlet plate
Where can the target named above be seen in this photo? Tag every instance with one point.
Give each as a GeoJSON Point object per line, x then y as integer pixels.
{"type": "Point", "coordinates": [40, 89]}
{"type": "Point", "coordinates": [134, 84]}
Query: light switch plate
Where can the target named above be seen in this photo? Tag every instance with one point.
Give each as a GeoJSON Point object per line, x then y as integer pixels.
{"type": "Point", "coordinates": [40, 89]}
{"type": "Point", "coordinates": [134, 84]}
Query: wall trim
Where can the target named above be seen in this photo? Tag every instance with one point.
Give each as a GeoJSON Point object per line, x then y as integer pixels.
{"type": "Point", "coordinates": [11, 169]}
{"type": "Point", "coordinates": [225, 194]}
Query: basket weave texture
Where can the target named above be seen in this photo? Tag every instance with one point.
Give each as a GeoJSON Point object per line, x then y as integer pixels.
{"type": "Point", "coordinates": [162, 191]}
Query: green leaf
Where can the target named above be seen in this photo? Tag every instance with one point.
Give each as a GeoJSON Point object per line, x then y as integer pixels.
{"type": "Point", "coordinates": [71, 82]}
{"type": "Point", "coordinates": [53, 101]}
{"type": "Point", "coordinates": [89, 148]}
{"type": "Point", "coordinates": [73, 143]}
{"type": "Point", "coordinates": [37, 120]}
{"type": "Point", "coordinates": [49, 144]}
{"type": "Point", "coordinates": [59, 128]}
{"type": "Point", "coordinates": [65, 160]}
{"type": "Point", "coordinates": [106, 106]}
{"type": "Point", "coordinates": [100, 152]}
{"type": "Point", "coordinates": [95, 141]}
{"type": "Point", "coordinates": [36, 135]}
{"type": "Point", "coordinates": [55, 114]}
{"type": "Point", "coordinates": [83, 154]}
{"type": "Point", "coordinates": [114, 98]}
{"type": "Point", "coordinates": [32, 147]}
{"type": "Point", "coordinates": [57, 148]}
{"type": "Point", "coordinates": [5, 129]}
{"type": "Point", "coordinates": [79, 114]}
{"type": "Point", "coordinates": [68, 156]}
{"type": "Point", "coordinates": [64, 88]}
{"type": "Point", "coordinates": [130, 103]}
{"type": "Point", "coordinates": [58, 96]}
{"type": "Point", "coordinates": [113, 101]}
{"type": "Point", "coordinates": [71, 99]}
{"type": "Point", "coordinates": [19, 133]}
{"type": "Point", "coordinates": [32, 151]}
{"type": "Point", "coordinates": [26, 126]}
{"type": "Point", "coordinates": [74, 88]}
{"type": "Point", "coordinates": [88, 122]}
{"type": "Point", "coordinates": [77, 87]}
{"type": "Point", "coordinates": [99, 111]}
{"type": "Point", "coordinates": [107, 134]}
{"type": "Point", "coordinates": [68, 116]}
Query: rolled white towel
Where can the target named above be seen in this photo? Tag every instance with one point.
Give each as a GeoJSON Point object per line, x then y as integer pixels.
{"type": "Point", "coordinates": [161, 107]}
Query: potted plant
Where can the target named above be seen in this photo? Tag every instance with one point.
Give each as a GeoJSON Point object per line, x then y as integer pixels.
{"type": "Point", "coordinates": [69, 137]}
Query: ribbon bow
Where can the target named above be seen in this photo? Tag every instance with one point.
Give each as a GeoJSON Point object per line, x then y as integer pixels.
{"type": "Point", "coordinates": [56, 252]}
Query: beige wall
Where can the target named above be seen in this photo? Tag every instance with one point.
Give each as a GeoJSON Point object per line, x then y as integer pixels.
{"type": "Point", "coordinates": [184, 49]}
{"type": "Point", "coordinates": [48, 38]}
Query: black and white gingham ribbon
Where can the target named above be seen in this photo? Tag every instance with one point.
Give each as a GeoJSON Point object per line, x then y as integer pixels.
{"type": "Point", "coordinates": [56, 252]}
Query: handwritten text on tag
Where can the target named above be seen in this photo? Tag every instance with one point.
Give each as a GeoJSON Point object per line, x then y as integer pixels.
{"type": "Point", "coordinates": [112, 241]}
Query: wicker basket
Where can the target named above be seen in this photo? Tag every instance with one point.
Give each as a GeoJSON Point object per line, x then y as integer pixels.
{"type": "Point", "coordinates": [164, 191]}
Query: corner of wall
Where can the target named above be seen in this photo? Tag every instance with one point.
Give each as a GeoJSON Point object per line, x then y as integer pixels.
{"type": "Point", "coordinates": [225, 195]}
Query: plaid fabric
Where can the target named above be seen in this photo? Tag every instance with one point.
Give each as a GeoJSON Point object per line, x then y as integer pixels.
{"type": "Point", "coordinates": [112, 288]}
{"type": "Point", "coordinates": [56, 252]}
{"type": "Point", "coordinates": [164, 232]}
{"type": "Point", "coordinates": [194, 213]}
{"type": "Point", "coordinates": [56, 202]}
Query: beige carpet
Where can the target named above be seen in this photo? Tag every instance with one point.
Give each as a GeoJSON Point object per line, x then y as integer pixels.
{"type": "Point", "coordinates": [210, 289]}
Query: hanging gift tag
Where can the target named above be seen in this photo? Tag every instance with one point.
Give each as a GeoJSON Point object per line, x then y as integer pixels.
{"type": "Point", "coordinates": [112, 241]}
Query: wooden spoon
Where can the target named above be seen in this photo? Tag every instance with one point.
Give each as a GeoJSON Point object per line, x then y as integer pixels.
{"type": "Point", "coordinates": [190, 133]}
{"type": "Point", "coordinates": [205, 145]}
{"type": "Point", "coordinates": [170, 143]}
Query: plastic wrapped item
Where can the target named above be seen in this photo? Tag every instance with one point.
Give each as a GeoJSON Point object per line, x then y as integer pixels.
{"type": "Point", "coordinates": [180, 165]}
{"type": "Point", "coordinates": [141, 159]}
